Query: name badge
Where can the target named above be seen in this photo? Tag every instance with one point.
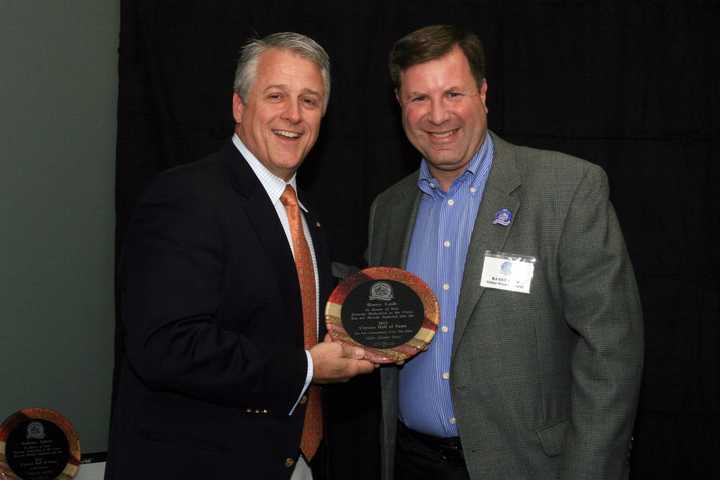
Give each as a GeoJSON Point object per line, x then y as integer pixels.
{"type": "Point", "coordinates": [507, 271]}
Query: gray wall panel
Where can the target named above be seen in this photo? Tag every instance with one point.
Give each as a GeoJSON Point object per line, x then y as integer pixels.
{"type": "Point", "coordinates": [58, 93]}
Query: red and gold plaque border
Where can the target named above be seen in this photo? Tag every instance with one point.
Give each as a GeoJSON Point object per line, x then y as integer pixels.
{"type": "Point", "coordinates": [12, 422]}
{"type": "Point", "coordinates": [418, 343]}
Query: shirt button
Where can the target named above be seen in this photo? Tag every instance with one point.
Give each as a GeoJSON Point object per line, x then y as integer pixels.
{"type": "Point", "coordinates": [444, 328]}
{"type": "Point", "coordinates": [446, 243]}
{"type": "Point", "coordinates": [445, 375]}
{"type": "Point", "coordinates": [289, 462]}
{"type": "Point", "coordinates": [452, 420]}
{"type": "Point", "coordinates": [446, 286]}
{"type": "Point", "coordinates": [473, 189]}
{"type": "Point", "coordinates": [451, 202]}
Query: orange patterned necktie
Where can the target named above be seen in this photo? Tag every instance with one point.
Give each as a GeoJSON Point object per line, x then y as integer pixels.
{"type": "Point", "coordinates": [313, 426]}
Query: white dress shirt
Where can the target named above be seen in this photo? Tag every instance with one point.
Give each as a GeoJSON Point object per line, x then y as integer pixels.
{"type": "Point", "coordinates": [274, 186]}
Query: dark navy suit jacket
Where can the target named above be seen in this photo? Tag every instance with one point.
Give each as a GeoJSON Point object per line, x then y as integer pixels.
{"type": "Point", "coordinates": [212, 357]}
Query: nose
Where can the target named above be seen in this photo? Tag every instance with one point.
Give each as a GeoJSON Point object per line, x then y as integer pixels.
{"type": "Point", "coordinates": [292, 112]}
{"type": "Point", "coordinates": [438, 111]}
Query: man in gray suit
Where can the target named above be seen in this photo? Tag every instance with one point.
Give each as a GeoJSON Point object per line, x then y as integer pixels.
{"type": "Point", "coordinates": [535, 369]}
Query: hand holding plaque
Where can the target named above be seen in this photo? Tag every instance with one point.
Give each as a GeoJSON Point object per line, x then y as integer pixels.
{"type": "Point", "coordinates": [389, 312]}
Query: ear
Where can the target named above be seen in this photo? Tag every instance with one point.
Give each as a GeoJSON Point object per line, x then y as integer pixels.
{"type": "Point", "coordinates": [397, 96]}
{"type": "Point", "coordinates": [483, 94]}
{"type": "Point", "coordinates": [238, 107]}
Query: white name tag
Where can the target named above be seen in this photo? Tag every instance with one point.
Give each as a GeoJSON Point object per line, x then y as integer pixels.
{"type": "Point", "coordinates": [507, 271]}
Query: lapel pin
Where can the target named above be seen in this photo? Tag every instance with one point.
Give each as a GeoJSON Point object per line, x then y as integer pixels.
{"type": "Point", "coordinates": [317, 224]}
{"type": "Point", "coordinates": [503, 217]}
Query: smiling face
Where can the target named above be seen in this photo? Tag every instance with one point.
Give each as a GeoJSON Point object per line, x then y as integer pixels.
{"type": "Point", "coordinates": [279, 122]}
{"type": "Point", "coordinates": [444, 113]}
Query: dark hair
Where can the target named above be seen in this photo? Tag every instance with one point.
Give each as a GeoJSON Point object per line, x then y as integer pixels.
{"type": "Point", "coordinates": [433, 42]}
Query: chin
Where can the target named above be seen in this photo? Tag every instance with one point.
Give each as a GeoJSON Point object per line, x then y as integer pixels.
{"type": "Point", "coordinates": [286, 161]}
{"type": "Point", "coordinates": [445, 162]}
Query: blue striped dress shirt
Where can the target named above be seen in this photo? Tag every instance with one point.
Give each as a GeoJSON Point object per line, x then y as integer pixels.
{"type": "Point", "coordinates": [437, 254]}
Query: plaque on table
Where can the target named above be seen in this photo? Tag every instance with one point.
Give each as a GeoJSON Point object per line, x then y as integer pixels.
{"type": "Point", "coordinates": [389, 312]}
{"type": "Point", "coordinates": [38, 444]}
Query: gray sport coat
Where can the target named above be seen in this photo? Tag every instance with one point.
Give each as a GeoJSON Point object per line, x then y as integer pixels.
{"type": "Point", "coordinates": [544, 385]}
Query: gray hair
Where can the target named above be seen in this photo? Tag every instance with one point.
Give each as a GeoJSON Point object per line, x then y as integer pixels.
{"type": "Point", "coordinates": [296, 43]}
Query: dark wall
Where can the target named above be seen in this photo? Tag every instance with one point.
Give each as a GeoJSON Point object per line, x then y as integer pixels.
{"type": "Point", "coordinates": [624, 84]}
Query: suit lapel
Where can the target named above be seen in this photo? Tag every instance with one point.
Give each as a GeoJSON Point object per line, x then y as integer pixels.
{"type": "Point", "coordinates": [504, 179]}
{"type": "Point", "coordinates": [263, 218]}
{"type": "Point", "coordinates": [409, 210]}
{"type": "Point", "coordinates": [403, 215]}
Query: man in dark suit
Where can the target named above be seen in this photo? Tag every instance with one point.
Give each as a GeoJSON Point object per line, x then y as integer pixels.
{"type": "Point", "coordinates": [223, 273]}
{"type": "Point", "coordinates": [535, 368]}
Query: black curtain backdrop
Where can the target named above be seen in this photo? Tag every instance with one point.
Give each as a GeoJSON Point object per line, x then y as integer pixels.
{"type": "Point", "coordinates": [625, 84]}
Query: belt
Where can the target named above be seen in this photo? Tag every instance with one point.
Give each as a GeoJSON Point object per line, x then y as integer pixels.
{"type": "Point", "coordinates": [449, 448]}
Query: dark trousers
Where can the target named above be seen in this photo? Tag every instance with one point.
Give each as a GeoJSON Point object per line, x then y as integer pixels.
{"type": "Point", "coordinates": [424, 457]}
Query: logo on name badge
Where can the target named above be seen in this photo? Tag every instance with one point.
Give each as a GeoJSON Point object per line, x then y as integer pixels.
{"type": "Point", "coordinates": [503, 217]}
{"type": "Point", "coordinates": [381, 291]}
{"type": "Point", "coordinates": [506, 268]}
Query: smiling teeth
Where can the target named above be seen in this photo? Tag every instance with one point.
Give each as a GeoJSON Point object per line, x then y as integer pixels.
{"type": "Point", "coordinates": [286, 133]}
{"type": "Point", "coordinates": [441, 134]}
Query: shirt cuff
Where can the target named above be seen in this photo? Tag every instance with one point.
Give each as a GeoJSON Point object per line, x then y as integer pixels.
{"type": "Point", "coordinates": [308, 379]}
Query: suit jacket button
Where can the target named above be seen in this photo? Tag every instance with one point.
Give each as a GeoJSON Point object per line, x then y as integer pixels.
{"type": "Point", "coordinates": [289, 462]}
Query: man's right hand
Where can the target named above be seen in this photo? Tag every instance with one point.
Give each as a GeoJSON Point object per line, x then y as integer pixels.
{"type": "Point", "coordinates": [337, 362]}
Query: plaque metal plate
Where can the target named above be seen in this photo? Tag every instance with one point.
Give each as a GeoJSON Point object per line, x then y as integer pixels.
{"type": "Point", "coordinates": [389, 312]}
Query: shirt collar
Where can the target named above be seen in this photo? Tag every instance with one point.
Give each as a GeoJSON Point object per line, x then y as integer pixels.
{"type": "Point", "coordinates": [273, 185]}
{"type": "Point", "coordinates": [479, 163]}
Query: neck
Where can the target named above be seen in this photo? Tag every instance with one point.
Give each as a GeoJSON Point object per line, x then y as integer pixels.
{"type": "Point", "coordinates": [445, 178]}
